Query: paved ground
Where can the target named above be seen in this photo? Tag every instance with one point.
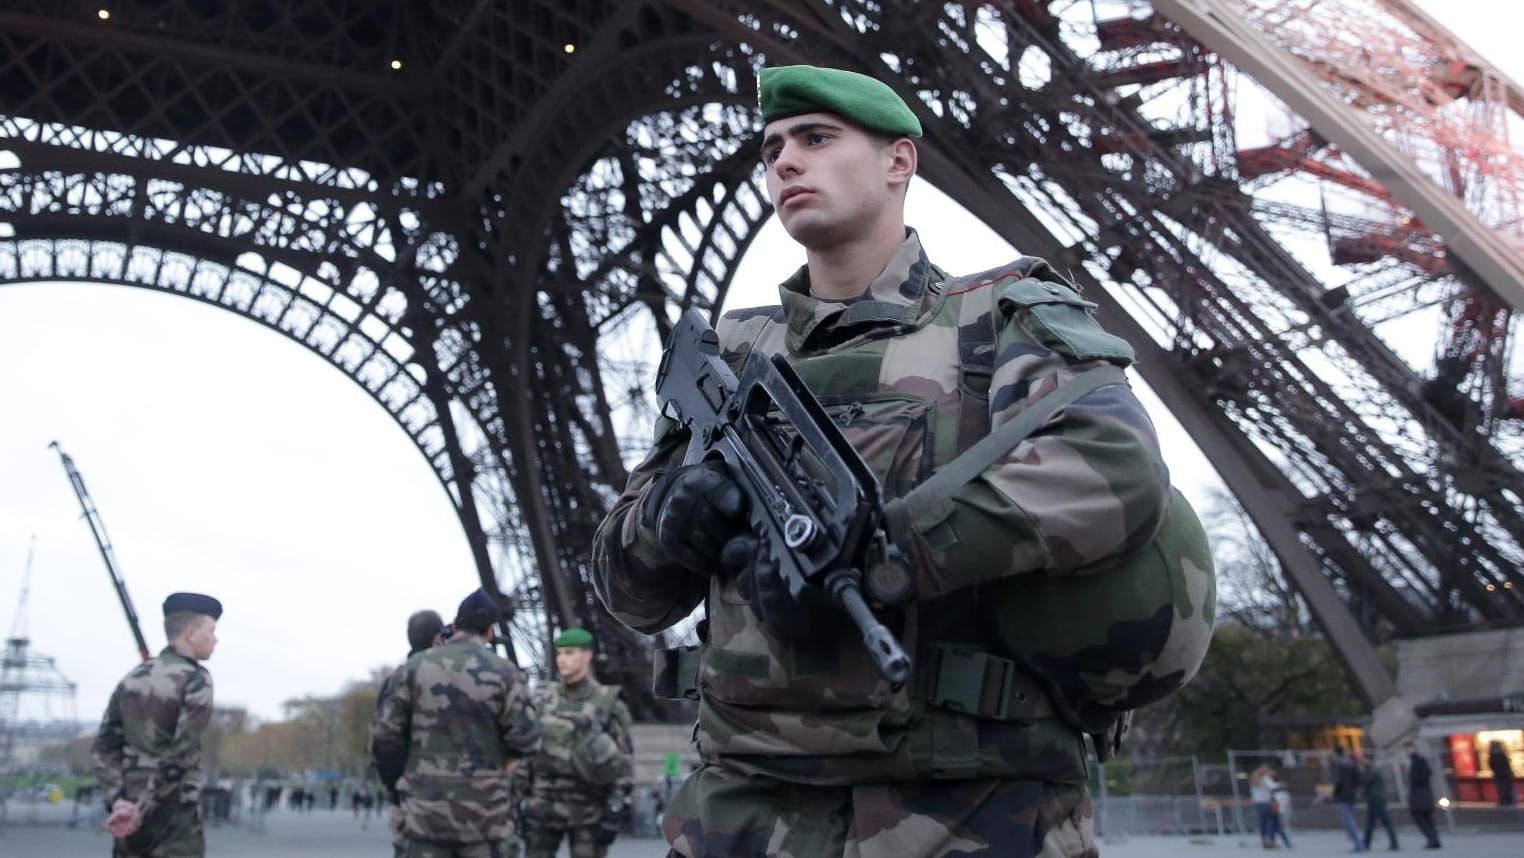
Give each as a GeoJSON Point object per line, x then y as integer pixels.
{"type": "Point", "coordinates": [324, 834]}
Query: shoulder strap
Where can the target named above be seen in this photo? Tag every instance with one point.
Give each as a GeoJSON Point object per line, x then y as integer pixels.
{"type": "Point", "coordinates": [603, 704]}
{"type": "Point", "coordinates": [930, 502]}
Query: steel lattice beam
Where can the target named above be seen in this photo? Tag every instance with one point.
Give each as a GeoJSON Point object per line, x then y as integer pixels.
{"type": "Point", "coordinates": [494, 240]}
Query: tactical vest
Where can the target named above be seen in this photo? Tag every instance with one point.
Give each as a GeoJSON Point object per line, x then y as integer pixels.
{"type": "Point", "coordinates": [821, 713]}
{"type": "Point", "coordinates": [1107, 641]}
{"type": "Point", "coordinates": [576, 748]}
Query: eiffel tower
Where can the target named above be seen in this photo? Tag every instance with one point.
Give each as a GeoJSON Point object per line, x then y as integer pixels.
{"type": "Point", "coordinates": [488, 213]}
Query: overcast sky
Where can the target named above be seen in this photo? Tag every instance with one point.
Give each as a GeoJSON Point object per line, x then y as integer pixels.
{"type": "Point", "coordinates": [227, 459]}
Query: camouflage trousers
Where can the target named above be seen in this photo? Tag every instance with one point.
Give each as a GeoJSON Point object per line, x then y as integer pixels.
{"type": "Point", "coordinates": [718, 813]}
{"type": "Point", "coordinates": [583, 841]}
{"type": "Point", "coordinates": [394, 822]}
{"type": "Point", "coordinates": [408, 848]}
{"type": "Point", "coordinates": [169, 831]}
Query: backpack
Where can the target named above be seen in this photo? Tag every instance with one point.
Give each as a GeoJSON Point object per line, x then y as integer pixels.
{"type": "Point", "coordinates": [1107, 641]}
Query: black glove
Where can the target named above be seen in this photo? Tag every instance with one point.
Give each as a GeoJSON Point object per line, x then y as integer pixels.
{"type": "Point", "coordinates": [691, 512]}
{"type": "Point", "coordinates": [756, 571]}
{"type": "Point", "coordinates": [614, 821]}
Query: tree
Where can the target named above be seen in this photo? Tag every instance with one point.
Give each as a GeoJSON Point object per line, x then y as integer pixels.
{"type": "Point", "coordinates": [357, 705]}
{"type": "Point", "coordinates": [317, 733]}
{"type": "Point", "coordinates": [73, 755]}
{"type": "Point", "coordinates": [226, 721]}
{"type": "Point", "coordinates": [1247, 676]}
{"type": "Point", "coordinates": [1251, 589]}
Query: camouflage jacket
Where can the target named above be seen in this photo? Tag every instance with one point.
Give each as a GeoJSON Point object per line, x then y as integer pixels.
{"type": "Point", "coordinates": [388, 770]}
{"type": "Point", "coordinates": [455, 722]}
{"type": "Point", "coordinates": [148, 749]}
{"type": "Point", "coordinates": [570, 716]}
{"type": "Point", "coordinates": [1085, 489]}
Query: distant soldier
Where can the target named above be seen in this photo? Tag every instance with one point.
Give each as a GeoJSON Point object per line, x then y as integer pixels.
{"type": "Point", "coordinates": [455, 723]}
{"type": "Point", "coordinates": [424, 629]}
{"type": "Point", "coordinates": [148, 751]}
{"type": "Point", "coordinates": [580, 784]}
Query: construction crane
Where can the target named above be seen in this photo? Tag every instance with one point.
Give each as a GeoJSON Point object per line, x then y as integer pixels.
{"type": "Point", "coordinates": [98, 529]}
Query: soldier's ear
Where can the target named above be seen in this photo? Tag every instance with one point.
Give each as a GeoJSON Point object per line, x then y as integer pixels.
{"type": "Point", "coordinates": [903, 161]}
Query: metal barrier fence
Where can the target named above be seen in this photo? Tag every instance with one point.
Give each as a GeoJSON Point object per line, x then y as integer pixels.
{"type": "Point", "coordinates": [1166, 795]}
{"type": "Point", "coordinates": [1183, 796]}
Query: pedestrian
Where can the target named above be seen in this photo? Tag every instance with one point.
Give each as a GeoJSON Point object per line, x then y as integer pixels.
{"type": "Point", "coordinates": [1282, 811]}
{"type": "Point", "coordinates": [1373, 783]}
{"type": "Point", "coordinates": [579, 785]}
{"type": "Point", "coordinates": [147, 753]}
{"type": "Point", "coordinates": [425, 629]}
{"type": "Point", "coordinates": [1421, 796]}
{"type": "Point", "coordinates": [454, 724]}
{"type": "Point", "coordinates": [806, 748]}
{"type": "Point", "coordinates": [1346, 789]}
{"type": "Point", "coordinates": [1502, 772]}
{"type": "Point", "coordinates": [1262, 794]}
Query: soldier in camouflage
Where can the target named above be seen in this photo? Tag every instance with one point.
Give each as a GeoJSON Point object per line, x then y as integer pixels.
{"type": "Point", "coordinates": [423, 631]}
{"type": "Point", "coordinates": [454, 724]}
{"type": "Point", "coordinates": [581, 783]}
{"type": "Point", "coordinates": [806, 750]}
{"type": "Point", "coordinates": [147, 753]}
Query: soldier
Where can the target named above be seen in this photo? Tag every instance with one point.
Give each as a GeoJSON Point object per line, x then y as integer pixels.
{"type": "Point", "coordinates": [424, 629]}
{"type": "Point", "coordinates": [454, 724]}
{"type": "Point", "coordinates": [806, 750]}
{"type": "Point", "coordinates": [581, 783]}
{"type": "Point", "coordinates": [148, 751]}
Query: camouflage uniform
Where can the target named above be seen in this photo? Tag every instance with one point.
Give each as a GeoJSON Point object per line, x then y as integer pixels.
{"type": "Point", "coordinates": [393, 771]}
{"type": "Point", "coordinates": [148, 751]}
{"type": "Point", "coordinates": [454, 722]}
{"type": "Point", "coordinates": [805, 748]}
{"type": "Point", "coordinates": [560, 800]}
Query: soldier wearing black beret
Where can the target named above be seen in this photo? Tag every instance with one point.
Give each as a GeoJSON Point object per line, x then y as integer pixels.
{"type": "Point", "coordinates": [147, 753]}
{"type": "Point", "coordinates": [453, 725]}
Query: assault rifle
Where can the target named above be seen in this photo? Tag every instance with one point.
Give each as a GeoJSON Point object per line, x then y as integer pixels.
{"type": "Point", "coordinates": [811, 499]}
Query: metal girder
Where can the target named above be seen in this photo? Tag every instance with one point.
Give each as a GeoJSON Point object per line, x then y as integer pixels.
{"type": "Point", "coordinates": [1480, 248]}
{"type": "Point", "coordinates": [1271, 501]}
{"type": "Point", "coordinates": [530, 206]}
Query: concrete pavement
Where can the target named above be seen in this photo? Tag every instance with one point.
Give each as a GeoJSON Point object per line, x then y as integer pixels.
{"type": "Point", "coordinates": [328, 834]}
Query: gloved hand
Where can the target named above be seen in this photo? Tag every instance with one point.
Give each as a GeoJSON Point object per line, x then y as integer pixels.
{"type": "Point", "coordinates": [757, 578]}
{"type": "Point", "coordinates": [614, 821]}
{"type": "Point", "coordinates": [691, 512]}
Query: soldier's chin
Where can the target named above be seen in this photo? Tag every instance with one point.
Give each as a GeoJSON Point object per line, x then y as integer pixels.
{"type": "Point", "coordinates": [810, 229]}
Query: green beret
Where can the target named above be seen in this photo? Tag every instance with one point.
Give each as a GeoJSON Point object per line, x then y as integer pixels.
{"type": "Point", "coordinates": [791, 90]}
{"type": "Point", "coordinates": [575, 637]}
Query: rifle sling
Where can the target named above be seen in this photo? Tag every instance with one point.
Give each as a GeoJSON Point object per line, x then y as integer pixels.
{"type": "Point", "coordinates": [930, 503]}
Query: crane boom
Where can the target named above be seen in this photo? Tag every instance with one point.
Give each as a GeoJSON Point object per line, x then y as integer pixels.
{"type": "Point", "coordinates": [98, 529]}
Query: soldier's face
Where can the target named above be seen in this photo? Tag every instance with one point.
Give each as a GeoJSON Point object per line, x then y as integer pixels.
{"type": "Point", "coordinates": [202, 638]}
{"type": "Point", "coordinates": [573, 662]}
{"type": "Point", "coordinates": [829, 180]}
